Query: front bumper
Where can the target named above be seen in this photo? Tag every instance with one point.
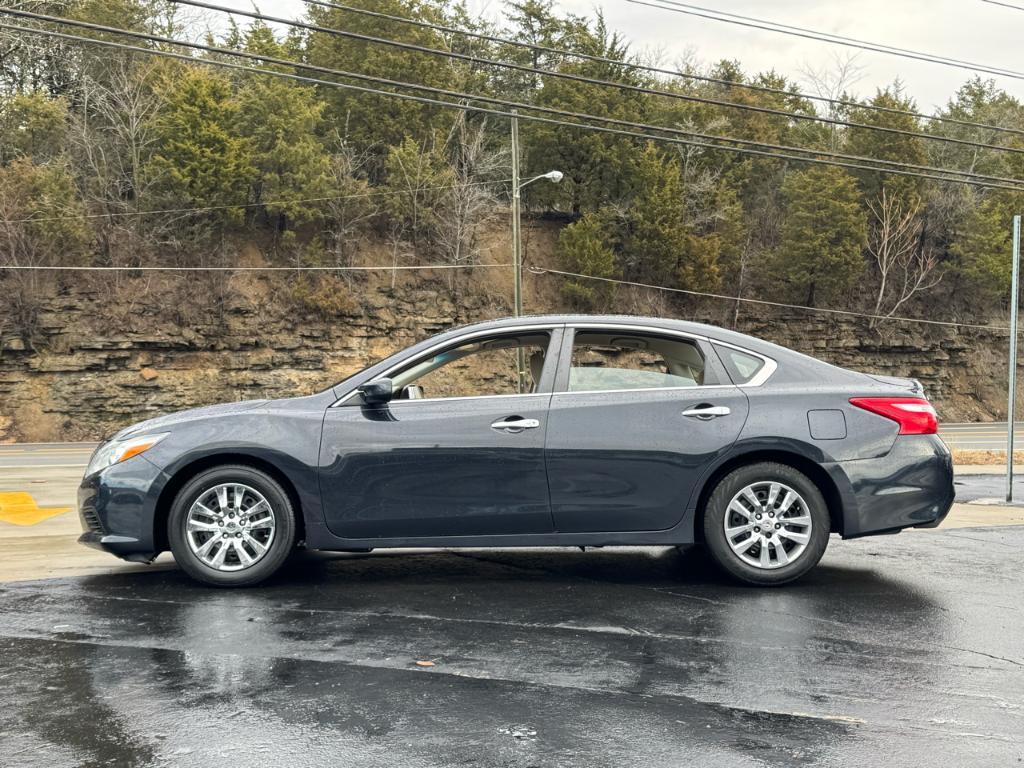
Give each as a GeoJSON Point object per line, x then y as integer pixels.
{"type": "Point", "coordinates": [117, 509]}
{"type": "Point", "coordinates": [911, 486]}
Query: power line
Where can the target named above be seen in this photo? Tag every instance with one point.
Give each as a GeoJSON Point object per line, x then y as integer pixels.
{"type": "Point", "coordinates": [973, 180]}
{"type": "Point", "coordinates": [668, 72]}
{"type": "Point", "coordinates": [229, 206]}
{"type": "Point", "coordinates": [810, 34]}
{"type": "Point", "coordinates": [436, 102]}
{"type": "Point", "coordinates": [464, 107]}
{"type": "Point", "coordinates": [856, 162]}
{"type": "Point", "coordinates": [388, 268]}
{"type": "Point", "coordinates": [825, 310]}
{"type": "Point", "coordinates": [573, 77]}
{"type": "Point", "coordinates": [990, 2]}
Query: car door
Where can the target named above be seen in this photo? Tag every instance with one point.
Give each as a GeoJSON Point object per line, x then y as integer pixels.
{"type": "Point", "coordinates": [636, 418]}
{"type": "Point", "coordinates": [444, 466]}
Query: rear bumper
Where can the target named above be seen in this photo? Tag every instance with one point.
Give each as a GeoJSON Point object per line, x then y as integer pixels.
{"type": "Point", "coordinates": [117, 508]}
{"type": "Point", "coordinates": [911, 486]}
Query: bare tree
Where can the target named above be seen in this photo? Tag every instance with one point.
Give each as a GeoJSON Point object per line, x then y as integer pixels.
{"type": "Point", "coordinates": [351, 205]}
{"type": "Point", "coordinates": [701, 184]}
{"type": "Point", "coordinates": [905, 265]}
{"type": "Point", "coordinates": [834, 83]}
{"type": "Point", "coordinates": [399, 247]}
{"type": "Point", "coordinates": [37, 229]}
{"type": "Point", "coordinates": [741, 276]}
{"type": "Point", "coordinates": [112, 135]}
{"type": "Point", "coordinates": [465, 205]}
{"type": "Point", "coordinates": [33, 62]}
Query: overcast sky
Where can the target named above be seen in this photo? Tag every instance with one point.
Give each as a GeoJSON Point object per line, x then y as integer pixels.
{"type": "Point", "coordinates": [970, 30]}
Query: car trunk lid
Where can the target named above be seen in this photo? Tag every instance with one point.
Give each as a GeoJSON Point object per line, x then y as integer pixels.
{"type": "Point", "coordinates": [913, 386]}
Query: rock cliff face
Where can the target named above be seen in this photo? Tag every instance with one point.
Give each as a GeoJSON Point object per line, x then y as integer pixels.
{"type": "Point", "coordinates": [86, 373]}
{"type": "Point", "coordinates": [85, 376]}
{"type": "Point", "coordinates": [963, 370]}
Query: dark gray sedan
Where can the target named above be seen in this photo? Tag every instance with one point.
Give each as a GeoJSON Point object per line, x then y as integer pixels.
{"type": "Point", "coordinates": [541, 431]}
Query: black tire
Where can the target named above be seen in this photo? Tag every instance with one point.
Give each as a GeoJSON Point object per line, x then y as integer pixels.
{"type": "Point", "coordinates": [716, 509]}
{"type": "Point", "coordinates": [280, 546]}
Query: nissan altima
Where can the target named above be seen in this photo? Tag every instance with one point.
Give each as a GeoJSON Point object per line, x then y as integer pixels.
{"type": "Point", "coordinates": [541, 431]}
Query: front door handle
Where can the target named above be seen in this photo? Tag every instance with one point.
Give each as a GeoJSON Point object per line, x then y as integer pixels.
{"type": "Point", "coordinates": [514, 424]}
{"type": "Point", "coordinates": [707, 412]}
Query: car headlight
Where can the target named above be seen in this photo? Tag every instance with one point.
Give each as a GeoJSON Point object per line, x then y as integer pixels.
{"type": "Point", "coordinates": [116, 451]}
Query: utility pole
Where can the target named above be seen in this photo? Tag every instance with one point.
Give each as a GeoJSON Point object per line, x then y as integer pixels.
{"type": "Point", "coordinates": [517, 250]}
{"type": "Point", "coordinates": [1012, 388]}
{"type": "Point", "coordinates": [517, 241]}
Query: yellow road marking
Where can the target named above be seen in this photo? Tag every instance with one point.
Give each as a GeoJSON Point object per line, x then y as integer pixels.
{"type": "Point", "coordinates": [20, 508]}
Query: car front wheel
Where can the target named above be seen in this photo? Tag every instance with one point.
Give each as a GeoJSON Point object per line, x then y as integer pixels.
{"type": "Point", "coordinates": [231, 526]}
{"type": "Point", "coordinates": [766, 524]}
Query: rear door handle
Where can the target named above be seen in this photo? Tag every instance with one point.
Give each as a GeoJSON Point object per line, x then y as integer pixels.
{"type": "Point", "coordinates": [707, 412]}
{"type": "Point", "coordinates": [514, 424]}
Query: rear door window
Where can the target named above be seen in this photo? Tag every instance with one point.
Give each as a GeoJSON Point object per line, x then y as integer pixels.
{"type": "Point", "coordinates": [616, 360]}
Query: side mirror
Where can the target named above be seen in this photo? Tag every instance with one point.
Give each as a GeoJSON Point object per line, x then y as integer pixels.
{"type": "Point", "coordinates": [377, 392]}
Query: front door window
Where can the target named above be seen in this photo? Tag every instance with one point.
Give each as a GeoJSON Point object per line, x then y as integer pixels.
{"type": "Point", "coordinates": [506, 365]}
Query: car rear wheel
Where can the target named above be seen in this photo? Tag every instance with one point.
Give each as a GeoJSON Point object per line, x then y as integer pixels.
{"type": "Point", "coordinates": [766, 524]}
{"type": "Point", "coordinates": [231, 526]}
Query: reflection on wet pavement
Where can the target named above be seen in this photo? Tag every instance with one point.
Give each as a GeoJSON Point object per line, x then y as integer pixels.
{"type": "Point", "coordinates": [898, 650]}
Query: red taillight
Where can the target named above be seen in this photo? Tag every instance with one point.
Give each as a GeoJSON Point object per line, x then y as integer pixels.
{"type": "Point", "coordinates": [914, 415]}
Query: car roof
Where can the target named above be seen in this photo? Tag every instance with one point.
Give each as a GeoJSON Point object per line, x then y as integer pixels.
{"type": "Point", "coordinates": [794, 367]}
{"type": "Point", "coordinates": [697, 329]}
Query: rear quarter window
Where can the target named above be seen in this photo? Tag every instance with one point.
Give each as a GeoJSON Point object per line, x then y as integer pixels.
{"type": "Point", "coordinates": [741, 366]}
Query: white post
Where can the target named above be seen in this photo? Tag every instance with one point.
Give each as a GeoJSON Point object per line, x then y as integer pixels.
{"type": "Point", "coordinates": [517, 256]}
{"type": "Point", "coordinates": [1012, 387]}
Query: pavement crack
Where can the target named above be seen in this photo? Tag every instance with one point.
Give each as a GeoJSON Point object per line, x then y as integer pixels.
{"type": "Point", "coordinates": [870, 649]}
{"type": "Point", "coordinates": [983, 541]}
{"type": "Point", "coordinates": [981, 653]}
{"type": "Point", "coordinates": [537, 684]}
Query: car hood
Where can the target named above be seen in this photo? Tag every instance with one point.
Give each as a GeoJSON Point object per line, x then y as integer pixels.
{"type": "Point", "coordinates": [171, 419]}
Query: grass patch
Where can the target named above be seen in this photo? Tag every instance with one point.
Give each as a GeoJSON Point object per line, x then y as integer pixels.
{"type": "Point", "coordinates": [962, 456]}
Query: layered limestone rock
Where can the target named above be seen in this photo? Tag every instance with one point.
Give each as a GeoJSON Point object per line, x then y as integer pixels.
{"type": "Point", "coordinates": [83, 375]}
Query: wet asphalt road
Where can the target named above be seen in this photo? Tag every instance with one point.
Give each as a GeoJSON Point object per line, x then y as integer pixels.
{"type": "Point", "coordinates": [899, 651]}
{"type": "Point", "coordinates": [973, 487]}
{"type": "Point", "coordinates": [982, 436]}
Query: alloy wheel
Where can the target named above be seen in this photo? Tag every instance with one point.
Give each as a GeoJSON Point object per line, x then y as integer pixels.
{"type": "Point", "coordinates": [767, 525]}
{"type": "Point", "coordinates": [230, 527]}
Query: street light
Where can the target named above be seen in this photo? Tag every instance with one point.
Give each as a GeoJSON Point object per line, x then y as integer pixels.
{"type": "Point", "coordinates": [517, 247]}
{"type": "Point", "coordinates": [517, 251]}
{"type": "Point", "coordinates": [552, 176]}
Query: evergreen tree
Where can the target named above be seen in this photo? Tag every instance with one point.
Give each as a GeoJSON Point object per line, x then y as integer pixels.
{"type": "Point", "coordinates": [41, 215]}
{"type": "Point", "coordinates": [598, 167]}
{"type": "Point", "coordinates": [585, 247]}
{"type": "Point", "coordinates": [282, 122]}
{"type": "Point", "coordinates": [381, 120]}
{"type": "Point", "coordinates": [982, 251]}
{"type": "Point", "coordinates": [201, 157]}
{"type": "Point", "coordinates": [895, 147]}
{"type": "Point", "coordinates": [32, 125]}
{"type": "Point", "coordinates": [418, 175]}
{"type": "Point", "coordinates": [661, 246]}
{"type": "Point", "coordinates": [820, 255]}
